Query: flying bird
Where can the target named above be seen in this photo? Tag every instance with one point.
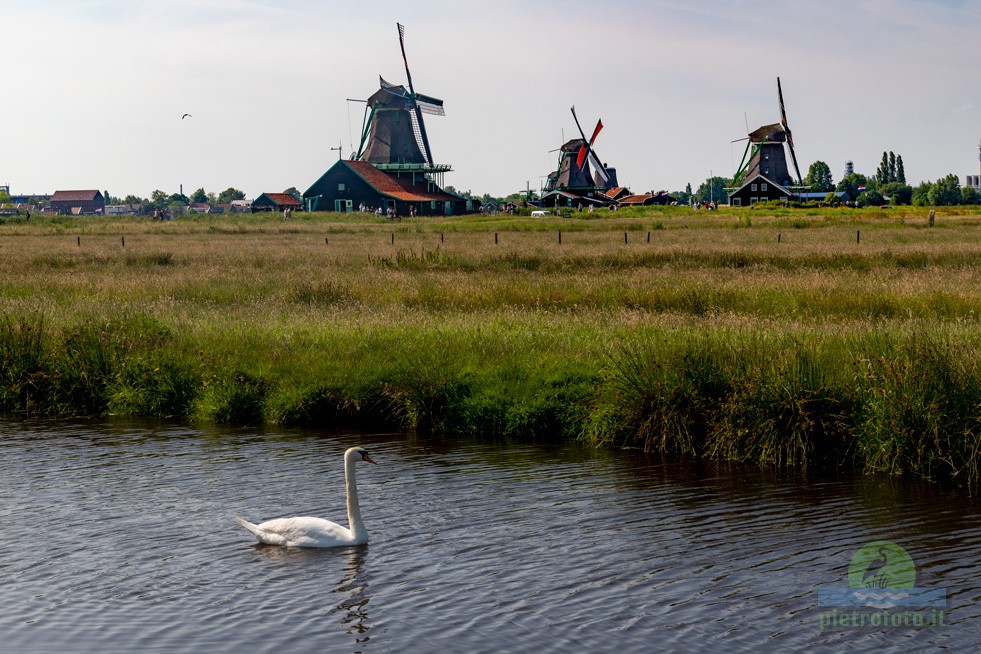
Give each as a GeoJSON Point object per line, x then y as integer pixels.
{"type": "Point", "coordinates": [186, 116]}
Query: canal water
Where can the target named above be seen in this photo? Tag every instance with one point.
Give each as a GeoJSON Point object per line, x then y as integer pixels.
{"type": "Point", "coordinates": [120, 537]}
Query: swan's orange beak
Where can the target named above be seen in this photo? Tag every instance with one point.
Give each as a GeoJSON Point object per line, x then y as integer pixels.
{"type": "Point", "coordinates": [365, 457]}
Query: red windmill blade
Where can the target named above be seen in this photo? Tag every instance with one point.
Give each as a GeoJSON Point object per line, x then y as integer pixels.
{"type": "Point", "coordinates": [586, 149]}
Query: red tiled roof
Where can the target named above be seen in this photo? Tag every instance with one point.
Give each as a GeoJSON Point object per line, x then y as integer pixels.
{"type": "Point", "coordinates": [400, 188]}
{"type": "Point", "coordinates": [636, 199]}
{"type": "Point", "coordinates": [283, 199]}
{"type": "Point", "coordinates": [74, 196]}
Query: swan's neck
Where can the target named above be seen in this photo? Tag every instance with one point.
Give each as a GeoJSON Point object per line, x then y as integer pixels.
{"type": "Point", "coordinates": [358, 530]}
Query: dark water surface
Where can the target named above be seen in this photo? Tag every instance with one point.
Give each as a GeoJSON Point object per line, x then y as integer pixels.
{"type": "Point", "coordinates": [119, 537]}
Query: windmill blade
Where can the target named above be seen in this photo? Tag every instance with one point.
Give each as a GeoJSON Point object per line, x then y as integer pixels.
{"type": "Point", "coordinates": [786, 129]}
{"type": "Point", "coordinates": [598, 167]}
{"type": "Point", "coordinates": [430, 105]}
{"type": "Point", "coordinates": [586, 149]}
{"type": "Point", "coordinates": [412, 93]}
{"type": "Point", "coordinates": [793, 156]}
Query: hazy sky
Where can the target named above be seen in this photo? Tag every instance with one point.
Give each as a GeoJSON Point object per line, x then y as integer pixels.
{"type": "Point", "coordinates": [93, 90]}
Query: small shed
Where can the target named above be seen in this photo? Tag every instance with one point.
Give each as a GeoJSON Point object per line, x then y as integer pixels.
{"type": "Point", "coordinates": [275, 202]}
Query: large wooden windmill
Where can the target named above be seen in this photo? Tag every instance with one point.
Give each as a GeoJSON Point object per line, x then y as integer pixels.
{"type": "Point", "coordinates": [394, 131]}
{"type": "Point", "coordinates": [764, 166]}
{"type": "Point", "coordinates": [393, 172]}
{"type": "Point", "coordinates": [767, 148]}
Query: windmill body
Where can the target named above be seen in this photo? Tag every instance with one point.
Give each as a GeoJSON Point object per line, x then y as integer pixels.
{"type": "Point", "coordinates": [764, 172]}
{"type": "Point", "coordinates": [580, 177]}
{"type": "Point", "coordinates": [394, 130]}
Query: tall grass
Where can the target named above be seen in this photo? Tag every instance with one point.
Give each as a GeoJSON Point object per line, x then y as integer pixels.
{"type": "Point", "coordinates": [704, 340]}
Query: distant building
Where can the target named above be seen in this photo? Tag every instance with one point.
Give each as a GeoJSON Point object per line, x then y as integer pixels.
{"type": "Point", "coordinates": [275, 202]}
{"type": "Point", "coordinates": [78, 202]}
{"type": "Point", "coordinates": [646, 199]}
{"type": "Point", "coordinates": [123, 209]}
{"type": "Point", "coordinates": [974, 181]}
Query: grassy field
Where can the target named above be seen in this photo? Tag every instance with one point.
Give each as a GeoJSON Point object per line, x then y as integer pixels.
{"type": "Point", "coordinates": [807, 337]}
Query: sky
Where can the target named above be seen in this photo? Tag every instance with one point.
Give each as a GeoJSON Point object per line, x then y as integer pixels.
{"type": "Point", "coordinates": [94, 90]}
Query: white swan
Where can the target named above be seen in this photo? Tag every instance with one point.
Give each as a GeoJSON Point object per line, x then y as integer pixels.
{"type": "Point", "coordinates": [305, 531]}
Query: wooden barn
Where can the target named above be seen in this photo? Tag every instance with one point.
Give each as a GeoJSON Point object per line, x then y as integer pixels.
{"type": "Point", "coordinates": [361, 186]}
{"type": "Point", "coordinates": [78, 202]}
{"type": "Point", "coordinates": [275, 202]}
{"type": "Point", "coordinates": [758, 189]}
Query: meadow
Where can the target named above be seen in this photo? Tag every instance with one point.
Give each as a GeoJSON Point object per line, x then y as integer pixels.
{"type": "Point", "coordinates": [809, 337]}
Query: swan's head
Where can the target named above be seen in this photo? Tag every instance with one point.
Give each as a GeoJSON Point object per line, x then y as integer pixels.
{"type": "Point", "coordinates": [361, 453]}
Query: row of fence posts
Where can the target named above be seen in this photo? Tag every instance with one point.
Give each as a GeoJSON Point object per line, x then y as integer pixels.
{"type": "Point", "coordinates": [626, 240]}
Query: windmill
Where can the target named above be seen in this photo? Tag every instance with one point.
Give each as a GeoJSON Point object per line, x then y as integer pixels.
{"type": "Point", "coordinates": [393, 131]}
{"type": "Point", "coordinates": [579, 167]}
{"type": "Point", "coordinates": [765, 152]}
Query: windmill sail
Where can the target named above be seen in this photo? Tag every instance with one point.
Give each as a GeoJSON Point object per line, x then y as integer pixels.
{"type": "Point", "coordinates": [418, 126]}
{"type": "Point", "coordinates": [395, 132]}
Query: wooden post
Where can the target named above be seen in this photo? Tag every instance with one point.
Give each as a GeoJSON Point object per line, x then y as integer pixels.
{"type": "Point", "coordinates": [648, 237]}
{"type": "Point", "coordinates": [122, 241]}
{"type": "Point", "coordinates": [858, 236]}
{"type": "Point", "coordinates": [326, 240]}
{"type": "Point", "coordinates": [495, 238]}
{"type": "Point", "coordinates": [778, 237]}
{"type": "Point", "coordinates": [625, 238]}
{"type": "Point", "coordinates": [393, 238]}
{"type": "Point", "coordinates": [78, 239]}
{"type": "Point", "coordinates": [932, 217]}
{"type": "Point", "coordinates": [441, 237]}
{"type": "Point", "coordinates": [560, 237]}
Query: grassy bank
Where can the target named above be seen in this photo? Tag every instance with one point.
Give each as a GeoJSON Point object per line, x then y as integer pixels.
{"type": "Point", "coordinates": [848, 339]}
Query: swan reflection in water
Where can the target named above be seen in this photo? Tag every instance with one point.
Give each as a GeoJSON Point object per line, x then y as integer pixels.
{"type": "Point", "coordinates": [351, 589]}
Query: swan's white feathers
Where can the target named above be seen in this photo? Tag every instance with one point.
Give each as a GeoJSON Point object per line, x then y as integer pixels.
{"type": "Point", "coordinates": [306, 531]}
{"type": "Point", "coordinates": [301, 531]}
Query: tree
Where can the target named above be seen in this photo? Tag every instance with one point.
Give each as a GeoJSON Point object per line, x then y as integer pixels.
{"type": "Point", "coordinates": [229, 194]}
{"type": "Point", "coordinates": [897, 193]}
{"type": "Point", "coordinates": [921, 194]}
{"type": "Point", "coordinates": [295, 193]}
{"type": "Point", "coordinates": [199, 196]}
{"type": "Point", "coordinates": [819, 177]}
{"type": "Point", "coordinates": [850, 185]}
{"type": "Point", "coordinates": [882, 172]}
{"type": "Point", "coordinates": [158, 200]}
{"type": "Point", "coordinates": [945, 192]}
{"type": "Point", "coordinates": [712, 189]}
{"type": "Point", "coordinates": [900, 170]}
{"type": "Point", "coordinates": [870, 198]}
{"type": "Point", "coordinates": [969, 195]}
